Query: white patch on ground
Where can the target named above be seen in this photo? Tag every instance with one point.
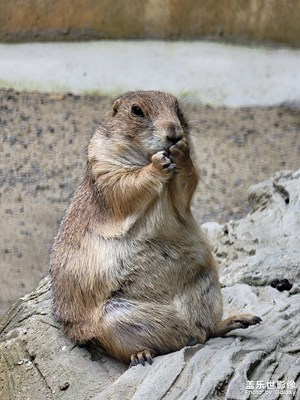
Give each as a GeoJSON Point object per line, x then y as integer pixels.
{"type": "Point", "coordinates": [212, 73]}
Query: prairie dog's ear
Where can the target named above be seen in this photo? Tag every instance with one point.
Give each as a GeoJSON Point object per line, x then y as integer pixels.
{"type": "Point", "coordinates": [115, 106]}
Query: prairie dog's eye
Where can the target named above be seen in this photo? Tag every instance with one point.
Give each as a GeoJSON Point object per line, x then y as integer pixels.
{"type": "Point", "coordinates": [136, 111]}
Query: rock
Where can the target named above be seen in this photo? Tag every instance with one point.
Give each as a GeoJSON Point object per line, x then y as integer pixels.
{"type": "Point", "coordinates": [255, 253]}
{"type": "Point", "coordinates": [266, 244]}
{"type": "Point", "coordinates": [29, 333]}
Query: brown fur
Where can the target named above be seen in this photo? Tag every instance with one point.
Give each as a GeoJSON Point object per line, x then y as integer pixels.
{"type": "Point", "coordinates": [130, 267]}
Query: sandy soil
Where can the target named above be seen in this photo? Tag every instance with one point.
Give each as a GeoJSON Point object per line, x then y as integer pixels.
{"type": "Point", "coordinates": [42, 147]}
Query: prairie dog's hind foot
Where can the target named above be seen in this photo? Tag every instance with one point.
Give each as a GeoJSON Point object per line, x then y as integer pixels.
{"type": "Point", "coordinates": [141, 358]}
{"type": "Point", "coordinates": [238, 321]}
{"type": "Point", "coordinates": [243, 321]}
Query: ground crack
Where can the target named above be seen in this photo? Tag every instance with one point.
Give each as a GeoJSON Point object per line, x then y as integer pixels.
{"type": "Point", "coordinates": [35, 364]}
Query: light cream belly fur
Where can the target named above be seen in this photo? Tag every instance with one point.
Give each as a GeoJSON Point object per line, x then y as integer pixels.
{"type": "Point", "coordinates": [160, 270]}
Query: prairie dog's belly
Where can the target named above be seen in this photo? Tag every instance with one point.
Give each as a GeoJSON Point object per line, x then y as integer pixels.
{"type": "Point", "coordinates": [155, 271]}
{"type": "Point", "coordinates": [152, 258]}
{"type": "Point", "coordinates": [171, 269]}
{"type": "Point", "coordinates": [161, 258]}
{"type": "Point", "coordinates": [154, 268]}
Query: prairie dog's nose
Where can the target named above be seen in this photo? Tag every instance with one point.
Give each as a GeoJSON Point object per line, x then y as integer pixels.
{"type": "Point", "coordinates": [174, 132]}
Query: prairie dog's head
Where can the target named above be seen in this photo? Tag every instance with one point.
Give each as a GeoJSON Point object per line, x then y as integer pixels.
{"type": "Point", "coordinates": [150, 120]}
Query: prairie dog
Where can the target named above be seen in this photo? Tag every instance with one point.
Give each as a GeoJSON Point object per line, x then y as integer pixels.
{"type": "Point", "coordinates": [130, 267]}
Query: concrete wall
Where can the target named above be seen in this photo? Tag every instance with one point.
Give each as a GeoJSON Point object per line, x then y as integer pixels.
{"type": "Point", "coordinates": [235, 20]}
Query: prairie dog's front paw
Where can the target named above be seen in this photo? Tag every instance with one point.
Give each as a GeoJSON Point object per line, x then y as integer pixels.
{"type": "Point", "coordinates": [162, 162]}
{"type": "Point", "coordinates": [180, 152]}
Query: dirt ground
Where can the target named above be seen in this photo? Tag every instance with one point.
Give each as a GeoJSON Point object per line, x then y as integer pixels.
{"type": "Point", "coordinates": [43, 146]}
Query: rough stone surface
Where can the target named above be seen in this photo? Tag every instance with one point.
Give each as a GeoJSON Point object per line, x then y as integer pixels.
{"type": "Point", "coordinates": [38, 362]}
{"type": "Point", "coordinates": [266, 244]}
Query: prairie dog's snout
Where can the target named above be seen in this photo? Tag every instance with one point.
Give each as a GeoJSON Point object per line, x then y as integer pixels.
{"type": "Point", "coordinates": [173, 132]}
